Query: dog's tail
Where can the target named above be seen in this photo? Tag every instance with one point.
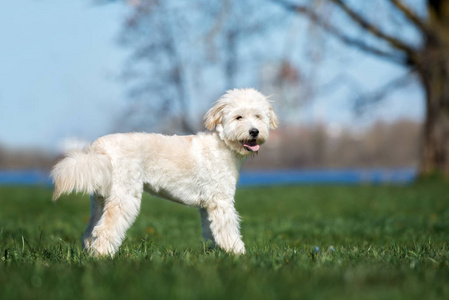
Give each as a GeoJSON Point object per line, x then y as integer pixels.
{"type": "Point", "coordinates": [87, 172]}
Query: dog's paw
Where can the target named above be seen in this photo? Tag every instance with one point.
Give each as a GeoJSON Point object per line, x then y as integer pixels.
{"type": "Point", "coordinates": [239, 248]}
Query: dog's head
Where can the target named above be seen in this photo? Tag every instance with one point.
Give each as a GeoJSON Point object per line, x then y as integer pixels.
{"type": "Point", "coordinates": [242, 118]}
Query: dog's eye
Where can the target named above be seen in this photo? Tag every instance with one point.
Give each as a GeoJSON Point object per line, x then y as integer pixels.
{"type": "Point", "coordinates": [238, 117]}
{"type": "Point", "coordinates": [258, 116]}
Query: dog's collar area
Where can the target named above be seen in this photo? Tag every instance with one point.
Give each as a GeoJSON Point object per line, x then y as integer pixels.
{"type": "Point", "coordinates": [250, 145]}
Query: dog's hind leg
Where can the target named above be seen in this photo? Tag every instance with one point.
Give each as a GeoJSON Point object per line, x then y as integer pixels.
{"type": "Point", "coordinates": [224, 226]}
{"type": "Point", "coordinates": [205, 223]}
{"type": "Point", "coordinates": [96, 206]}
{"type": "Point", "coordinates": [120, 210]}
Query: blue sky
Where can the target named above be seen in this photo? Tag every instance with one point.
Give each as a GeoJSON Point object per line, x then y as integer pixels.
{"type": "Point", "coordinates": [59, 62]}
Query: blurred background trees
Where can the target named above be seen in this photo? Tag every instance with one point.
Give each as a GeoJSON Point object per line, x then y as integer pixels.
{"type": "Point", "coordinates": [386, 34]}
{"type": "Point", "coordinates": [224, 37]}
{"type": "Point", "coordinates": [183, 54]}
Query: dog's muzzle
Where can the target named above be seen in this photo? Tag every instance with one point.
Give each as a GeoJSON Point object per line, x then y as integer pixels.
{"type": "Point", "coordinates": [251, 145]}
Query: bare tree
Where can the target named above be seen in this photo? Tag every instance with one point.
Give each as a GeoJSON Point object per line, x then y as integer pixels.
{"type": "Point", "coordinates": [157, 68]}
{"type": "Point", "coordinates": [388, 37]}
{"type": "Point", "coordinates": [185, 53]}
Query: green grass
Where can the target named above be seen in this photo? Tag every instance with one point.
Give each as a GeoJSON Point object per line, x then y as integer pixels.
{"type": "Point", "coordinates": [374, 243]}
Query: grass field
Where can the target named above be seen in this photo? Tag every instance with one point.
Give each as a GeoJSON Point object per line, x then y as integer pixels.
{"type": "Point", "coordinates": [310, 242]}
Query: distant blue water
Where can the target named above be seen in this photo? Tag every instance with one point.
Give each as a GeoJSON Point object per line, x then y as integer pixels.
{"type": "Point", "coordinates": [264, 178]}
{"type": "Point", "coordinates": [333, 176]}
{"type": "Point", "coordinates": [24, 177]}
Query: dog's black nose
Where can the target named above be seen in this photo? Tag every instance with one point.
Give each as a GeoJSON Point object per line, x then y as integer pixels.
{"type": "Point", "coordinates": [254, 132]}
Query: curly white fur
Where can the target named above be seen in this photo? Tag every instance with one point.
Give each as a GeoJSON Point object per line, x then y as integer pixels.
{"type": "Point", "coordinates": [198, 170]}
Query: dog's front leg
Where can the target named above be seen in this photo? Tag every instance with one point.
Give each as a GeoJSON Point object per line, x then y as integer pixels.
{"type": "Point", "coordinates": [223, 223]}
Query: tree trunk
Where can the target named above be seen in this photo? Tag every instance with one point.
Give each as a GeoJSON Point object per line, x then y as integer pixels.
{"type": "Point", "coordinates": [435, 78]}
{"type": "Point", "coordinates": [433, 68]}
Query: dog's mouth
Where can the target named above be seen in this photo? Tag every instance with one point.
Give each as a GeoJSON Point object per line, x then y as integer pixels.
{"type": "Point", "coordinates": [250, 145]}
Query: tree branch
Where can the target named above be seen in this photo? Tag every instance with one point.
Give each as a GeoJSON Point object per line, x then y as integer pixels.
{"type": "Point", "coordinates": [362, 101]}
{"type": "Point", "coordinates": [362, 22]}
{"type": "Point", "coordinates": [411, 15]}
{"type": "Point", "coordinates": [433, 31]}
{"type": "Point", "coordinates": [342, 37]}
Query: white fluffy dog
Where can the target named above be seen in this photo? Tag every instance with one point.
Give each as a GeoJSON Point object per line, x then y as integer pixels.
{"type": "Point", "coordinates": [198, 170]}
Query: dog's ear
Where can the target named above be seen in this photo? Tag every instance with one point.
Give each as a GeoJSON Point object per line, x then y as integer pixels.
{"type": "Point", "coordinates": [214, 116]}
{"type": "Point", "coordinates": [274, 122]}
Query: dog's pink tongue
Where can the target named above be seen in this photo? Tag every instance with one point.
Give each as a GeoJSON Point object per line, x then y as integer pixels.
{"type": "Point", "coordinates": [253, 147]}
